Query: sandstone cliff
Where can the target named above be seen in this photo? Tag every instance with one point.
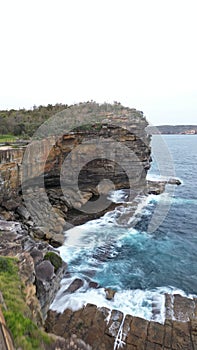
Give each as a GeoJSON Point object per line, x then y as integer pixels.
{"type": "Point", "coordinates": [81, 153]}
{"type": "Point", "coordinates": [62, 178]}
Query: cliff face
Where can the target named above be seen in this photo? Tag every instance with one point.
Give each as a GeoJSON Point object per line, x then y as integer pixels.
{"type": "Point", "coordinates": [84, 152]}
{"type": "Point", "coordinates": [114, 129]}
{"type": "Point", "coordinates": [10, 161]}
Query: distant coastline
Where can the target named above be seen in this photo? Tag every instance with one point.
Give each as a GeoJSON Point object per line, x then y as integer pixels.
{"type": "Point", "coordinates": [172, 129]}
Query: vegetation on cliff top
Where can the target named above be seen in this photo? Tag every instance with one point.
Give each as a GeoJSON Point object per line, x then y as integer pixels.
{"type": "Point", "coordinates": [23, 123]}
{"type": "Point", "coordinates": [25, 332]}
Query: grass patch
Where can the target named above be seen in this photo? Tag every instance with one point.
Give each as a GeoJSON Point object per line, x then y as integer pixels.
{"type": "Point", "coordinates": [25, 332]}
{"type": "Point", "coordinates": [7, 138]}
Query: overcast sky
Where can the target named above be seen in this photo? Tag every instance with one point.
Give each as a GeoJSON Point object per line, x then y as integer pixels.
{"type": "Point", "coordinates": [142, 53]}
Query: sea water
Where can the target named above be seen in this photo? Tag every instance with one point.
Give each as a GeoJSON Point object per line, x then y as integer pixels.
{"type": "Point", "coordinates": [140, 264]}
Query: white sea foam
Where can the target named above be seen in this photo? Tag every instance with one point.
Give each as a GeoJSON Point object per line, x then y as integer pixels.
{"type": "Point", "coordinates": [134, 302]}
{"type": "Point", "coordinates": [118, 196]}
{"type": "Point", "coordinates": [148, 304]}
{"type": "Point", "coordinates": [156, 177]}
{"type": "Point", "coordinates": [97, 232]}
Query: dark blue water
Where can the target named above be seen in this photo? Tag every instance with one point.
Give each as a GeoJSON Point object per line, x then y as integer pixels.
{"type": "Point", "coordinates": [170, 256]}
{"type": "Point", "coordinates": [131, 259]}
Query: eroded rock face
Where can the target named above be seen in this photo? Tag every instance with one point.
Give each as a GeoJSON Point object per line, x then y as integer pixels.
{"type": "Point", "coordinates": [109, 330]}
{"type": "Point", "coordinates": [40, 279]}
{"type": "Point", "coordinates": [117, 127]}
{"type": "Point", "coordinates": [110, 151]}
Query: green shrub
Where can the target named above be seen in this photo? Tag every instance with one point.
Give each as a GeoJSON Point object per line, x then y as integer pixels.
{"type": "Point", "coordinates": [55, 259]}
{"type": "Point", "coordinates": [7, 266]}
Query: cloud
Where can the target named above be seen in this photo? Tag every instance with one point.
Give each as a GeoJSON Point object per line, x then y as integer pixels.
{"type": "Point", "coordinates": [141, 53]}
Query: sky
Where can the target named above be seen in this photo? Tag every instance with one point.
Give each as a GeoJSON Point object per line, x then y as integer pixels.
{"type": "Point", "coordinates": [142, 53]}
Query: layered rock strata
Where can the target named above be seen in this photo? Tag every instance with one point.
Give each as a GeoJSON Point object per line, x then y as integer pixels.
{"type": "Point", "coordinates": [105, 329]}
{"type": "Point", "coordinates": [50, 185]}
{"type": "Point", "coordinates": [106, 148]}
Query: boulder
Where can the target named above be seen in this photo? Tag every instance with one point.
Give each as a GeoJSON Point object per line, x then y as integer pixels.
{"type": "Point", "coordinates": [23, 212]}
{"type": "Point", "coordinates": [75, 285]}
{"type": "Point", "coordinates": [174, 181]}
{"type": "Point", "coordinates": [37, 255]}
{"type": "Point", "coordinates": [93, 284]}
{"type": "Point", "coordinates": [10, 204]}
{"type": "Point", "coordinates": [44, 271]}
{"type": "Point", "coordinates": [38, 233]}
{"type": "Point", "coordinates": [109, 293]}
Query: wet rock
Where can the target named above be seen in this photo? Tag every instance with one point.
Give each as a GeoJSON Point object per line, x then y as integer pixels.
{"type": "Point", "coordinates": [183, 308]}
{"type": "Point", "coordinates": [105, 186]}
{"type": "Point", "coordinates": [156, 187]}
{"type": "Point", "coordinates": [110, 293]}
{"type": "Point", "coordinates": [174, 181]}
{"type": "Point", "coordinates": [126, 327]}
{"type": "Point", "coordinates": [93, 284]}
{"type": "Point", "coordinates": [114, 323]}
{"type": "Point", "coordinates": [103, 329]}
{"type": "Point", "coordinates": [30, 223]}
{"type": "Point", "coordinates": [75, 285]}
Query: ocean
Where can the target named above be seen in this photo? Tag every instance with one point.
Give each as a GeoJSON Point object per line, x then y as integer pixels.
{"type": "Point", "coordinates": [139, 263]}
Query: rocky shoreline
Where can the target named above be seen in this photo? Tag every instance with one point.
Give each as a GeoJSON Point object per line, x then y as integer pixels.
{"type": "Point", "coordinates": [106, 329]}
{"type": "Point", "coordinates": [42, 281]}
{"type": "Point", "coordinates": [35, 212]}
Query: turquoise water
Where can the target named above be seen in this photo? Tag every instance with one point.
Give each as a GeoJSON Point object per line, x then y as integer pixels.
{"type": "Point", "coordinates": [141, 265]}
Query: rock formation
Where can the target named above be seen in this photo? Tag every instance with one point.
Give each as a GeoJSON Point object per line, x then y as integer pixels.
{"type": "Point", "coordinates": [106, 329]}
{"type": "Point", "coordinates": [53, 183]}
{"type": "Point", "coordinates": [41, 282]}
{"type": "Point", "coordinates": [106, 148]}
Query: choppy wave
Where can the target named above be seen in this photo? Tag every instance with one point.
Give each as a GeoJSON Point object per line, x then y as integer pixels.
{"type": "Point", "coordinates": [92, 250]}
{"type": "Point", "coordinates": [117, 251]}
{"type": "Point", "coordinates": [148, 304]}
